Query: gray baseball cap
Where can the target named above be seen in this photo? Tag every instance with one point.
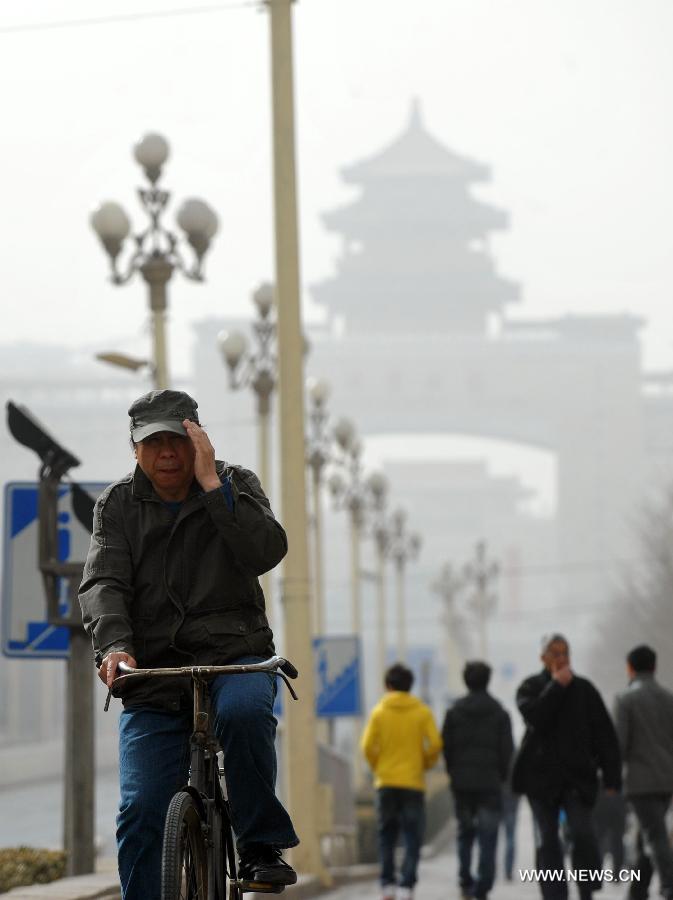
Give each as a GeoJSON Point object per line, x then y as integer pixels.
{"type": "Point", "coordinates": [161, 411]}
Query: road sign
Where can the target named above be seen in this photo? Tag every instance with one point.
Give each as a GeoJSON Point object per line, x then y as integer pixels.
{"type": "Point", "coordinates": [337, 676]}
{"type": "Point", "coordinates": [25, 633]}
{"type": "Point", "coordinates": [336, 668]}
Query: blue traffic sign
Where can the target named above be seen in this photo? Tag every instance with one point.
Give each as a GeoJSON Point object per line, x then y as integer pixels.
{"type": "Point", "coordinates": [338, 684]}
{"type": "Point", "coordinates": [24, 631]}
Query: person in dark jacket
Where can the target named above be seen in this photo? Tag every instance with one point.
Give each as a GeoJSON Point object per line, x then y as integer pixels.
{"type": "Point", "coordinates": [644, 719]}
{"type": "Point", "coordinates": [171, 579]}
{"type": "Point", "coordinates": [477, 735]}
{"type": "Point", "coordinates": [569, 738]}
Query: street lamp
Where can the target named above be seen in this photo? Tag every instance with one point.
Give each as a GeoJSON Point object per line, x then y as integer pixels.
{"type": "Point", "coordinates": [448, 586]}
{"type": "Point", "coordinates": [378, 489]}
{"type": "Point", "coordinates": [256, 369]}
{"type": "Point", "coordinates": [124, 361]}
{"type": "Point", "coordinates": [156, 253]}
{"type": "Point", "coordinates": [481, 573]}
{"type": "Point", "coordinates": [403, 547]}
{"type": "Point", "coordinates": [317, 456]}
{"type": "Point", "coordinates": [348, 493]}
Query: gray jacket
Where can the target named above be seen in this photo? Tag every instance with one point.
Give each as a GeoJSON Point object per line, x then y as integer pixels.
{"type": "Point", "coordinates": [179, 591]}
{"type": "Point", "coordinates": [644, 720]}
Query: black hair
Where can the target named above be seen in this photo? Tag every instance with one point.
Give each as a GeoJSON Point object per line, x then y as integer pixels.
{"type": "Point", "coordinates": [553, 638]}
{"type": "Point", "coordinates": [399, 678]}
{"type": "Point", "coordinates": [476, 675]}
{"type": "Point", "coordinates": [642, 659]}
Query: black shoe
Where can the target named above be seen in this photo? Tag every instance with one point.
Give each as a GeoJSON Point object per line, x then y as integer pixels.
{"type": "Point", "coordinates": [262, 864]}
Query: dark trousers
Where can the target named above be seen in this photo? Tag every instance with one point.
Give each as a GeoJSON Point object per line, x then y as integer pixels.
{"type": "Point", "coordinates": [654, 848]}
{"type": "Point", "coordinates": [549, 853]}
{"type": "Point", "coordinates": [510, 808]}
{"type": "Point", "coordinates": [400, 810]}
{"type": "Point", "coordinates": [478, 814]}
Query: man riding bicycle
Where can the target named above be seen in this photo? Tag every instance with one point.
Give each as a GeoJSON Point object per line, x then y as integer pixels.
{"type": "Point", "coordinates": [171, 579]}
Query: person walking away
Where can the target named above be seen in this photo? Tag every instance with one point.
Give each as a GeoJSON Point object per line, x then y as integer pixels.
{"type": "Point", "coordinates": [171, 579]}
{"type": "Point", "coordinates": [400, 742]}
{"type": "Point", "coordinates": [477, 737]}
{"type": "Point", "coordinates": [569, 737]}
{"type": "Point", "coordinates": [644, 720]}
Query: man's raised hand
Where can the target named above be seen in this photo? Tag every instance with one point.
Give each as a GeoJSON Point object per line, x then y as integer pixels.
{"type": "Point", "coordinates": [204, 458]}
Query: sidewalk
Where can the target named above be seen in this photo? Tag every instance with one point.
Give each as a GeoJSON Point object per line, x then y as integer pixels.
{"type": "Point", "coordinates": [438, 876]}
{"type": "Point", "coordinates": [437, 880]}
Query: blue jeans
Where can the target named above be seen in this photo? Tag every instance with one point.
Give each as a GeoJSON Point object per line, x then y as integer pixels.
{"type": "Point", "coordinates": [400, 809]}
{"type": "Point", "coordinates": [510, 807]}
{"type": "Point", "coordinates": [154, 764]}
{"type": "Point", "coordinates": [478, 814]}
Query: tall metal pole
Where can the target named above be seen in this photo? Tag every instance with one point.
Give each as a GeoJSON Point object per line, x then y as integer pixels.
{"type": "Point", "coordinates": [381, 617]}
{"type": "Point", "coordinates": [264, 457]}
{"type": "Point", "coordinates": [401, 611]}
{"type": "Point", "coordinates": [79, 753]}
{"type": "Point", "coordinates": [157, 272]}
{"type": "Point", "coordinates": [481, 572]}
{"type": "Point", "coordinates": [318, 588]}
{"type": "Point", "coordinates": [356, 618]}
{"type": "Point", "coordinates": [356, 594]}
{"type": "Point", "coordinates": [301, 749]}
{"type": "Point", "coordinates": [448, 586]}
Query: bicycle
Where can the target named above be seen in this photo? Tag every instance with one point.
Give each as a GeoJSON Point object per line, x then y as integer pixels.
{"type": "Point", "coordinates": [199, 855]}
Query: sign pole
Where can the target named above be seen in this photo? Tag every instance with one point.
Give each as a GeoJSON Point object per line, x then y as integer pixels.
{"type": "Point", "coordinates": [78, 806]}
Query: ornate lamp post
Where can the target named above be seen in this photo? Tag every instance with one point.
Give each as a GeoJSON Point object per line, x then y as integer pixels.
{"type": "Point", "coordinates": [256, 368]}
{"type": "Point", "coordinates": [403, 547]}
{"type": "Point", "coordinates": [317, 456]}
{"type": "Point", "coordinates": [480, 574]}
{"type": "Point", "coordinates": [448, 586]}
{"type": "Point", "coordinates": [378, 488]}
{"type": "Point", "coordinates": [156, 253]}
{"type": "Point", "coordinates": [349, 493]}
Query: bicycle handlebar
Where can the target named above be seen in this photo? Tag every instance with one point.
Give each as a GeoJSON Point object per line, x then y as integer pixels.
{"type": "Point", "coordinates": [275, 664]}
{"type": "Point", "coordinates": [272, 664]}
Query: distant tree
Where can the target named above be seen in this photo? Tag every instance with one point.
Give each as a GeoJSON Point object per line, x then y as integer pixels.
{"type": "Point", "coordinates": [643, 604]}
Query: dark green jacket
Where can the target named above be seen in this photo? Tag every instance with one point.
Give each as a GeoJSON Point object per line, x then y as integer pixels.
{"type": "Point", "coordinates": [177, 591]}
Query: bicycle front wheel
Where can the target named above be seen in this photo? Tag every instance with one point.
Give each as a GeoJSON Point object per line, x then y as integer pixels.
{"type": "Point", "coordinates": [184, 863]}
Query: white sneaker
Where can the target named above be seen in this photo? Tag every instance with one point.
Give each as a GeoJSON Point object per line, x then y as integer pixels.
{"type": "Point", "coordinates": [388, 892]}
{"type": "Point", "coordinates": [405, 894]}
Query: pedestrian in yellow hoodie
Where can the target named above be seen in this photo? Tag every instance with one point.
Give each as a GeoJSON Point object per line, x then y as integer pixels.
{"type": "Point", "coordinates": [400, 742]}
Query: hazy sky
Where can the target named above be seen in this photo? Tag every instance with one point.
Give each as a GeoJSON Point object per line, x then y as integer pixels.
{"type": "Point", "coordinates": [569, 102]}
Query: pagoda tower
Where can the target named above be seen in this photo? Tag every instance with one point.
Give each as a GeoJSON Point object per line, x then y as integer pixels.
{"type": "Point", "coordinates": [415, 254]}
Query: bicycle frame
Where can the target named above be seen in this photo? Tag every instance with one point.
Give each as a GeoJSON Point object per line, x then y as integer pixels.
{"type": "Point", "coordinates": [204, 783]}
